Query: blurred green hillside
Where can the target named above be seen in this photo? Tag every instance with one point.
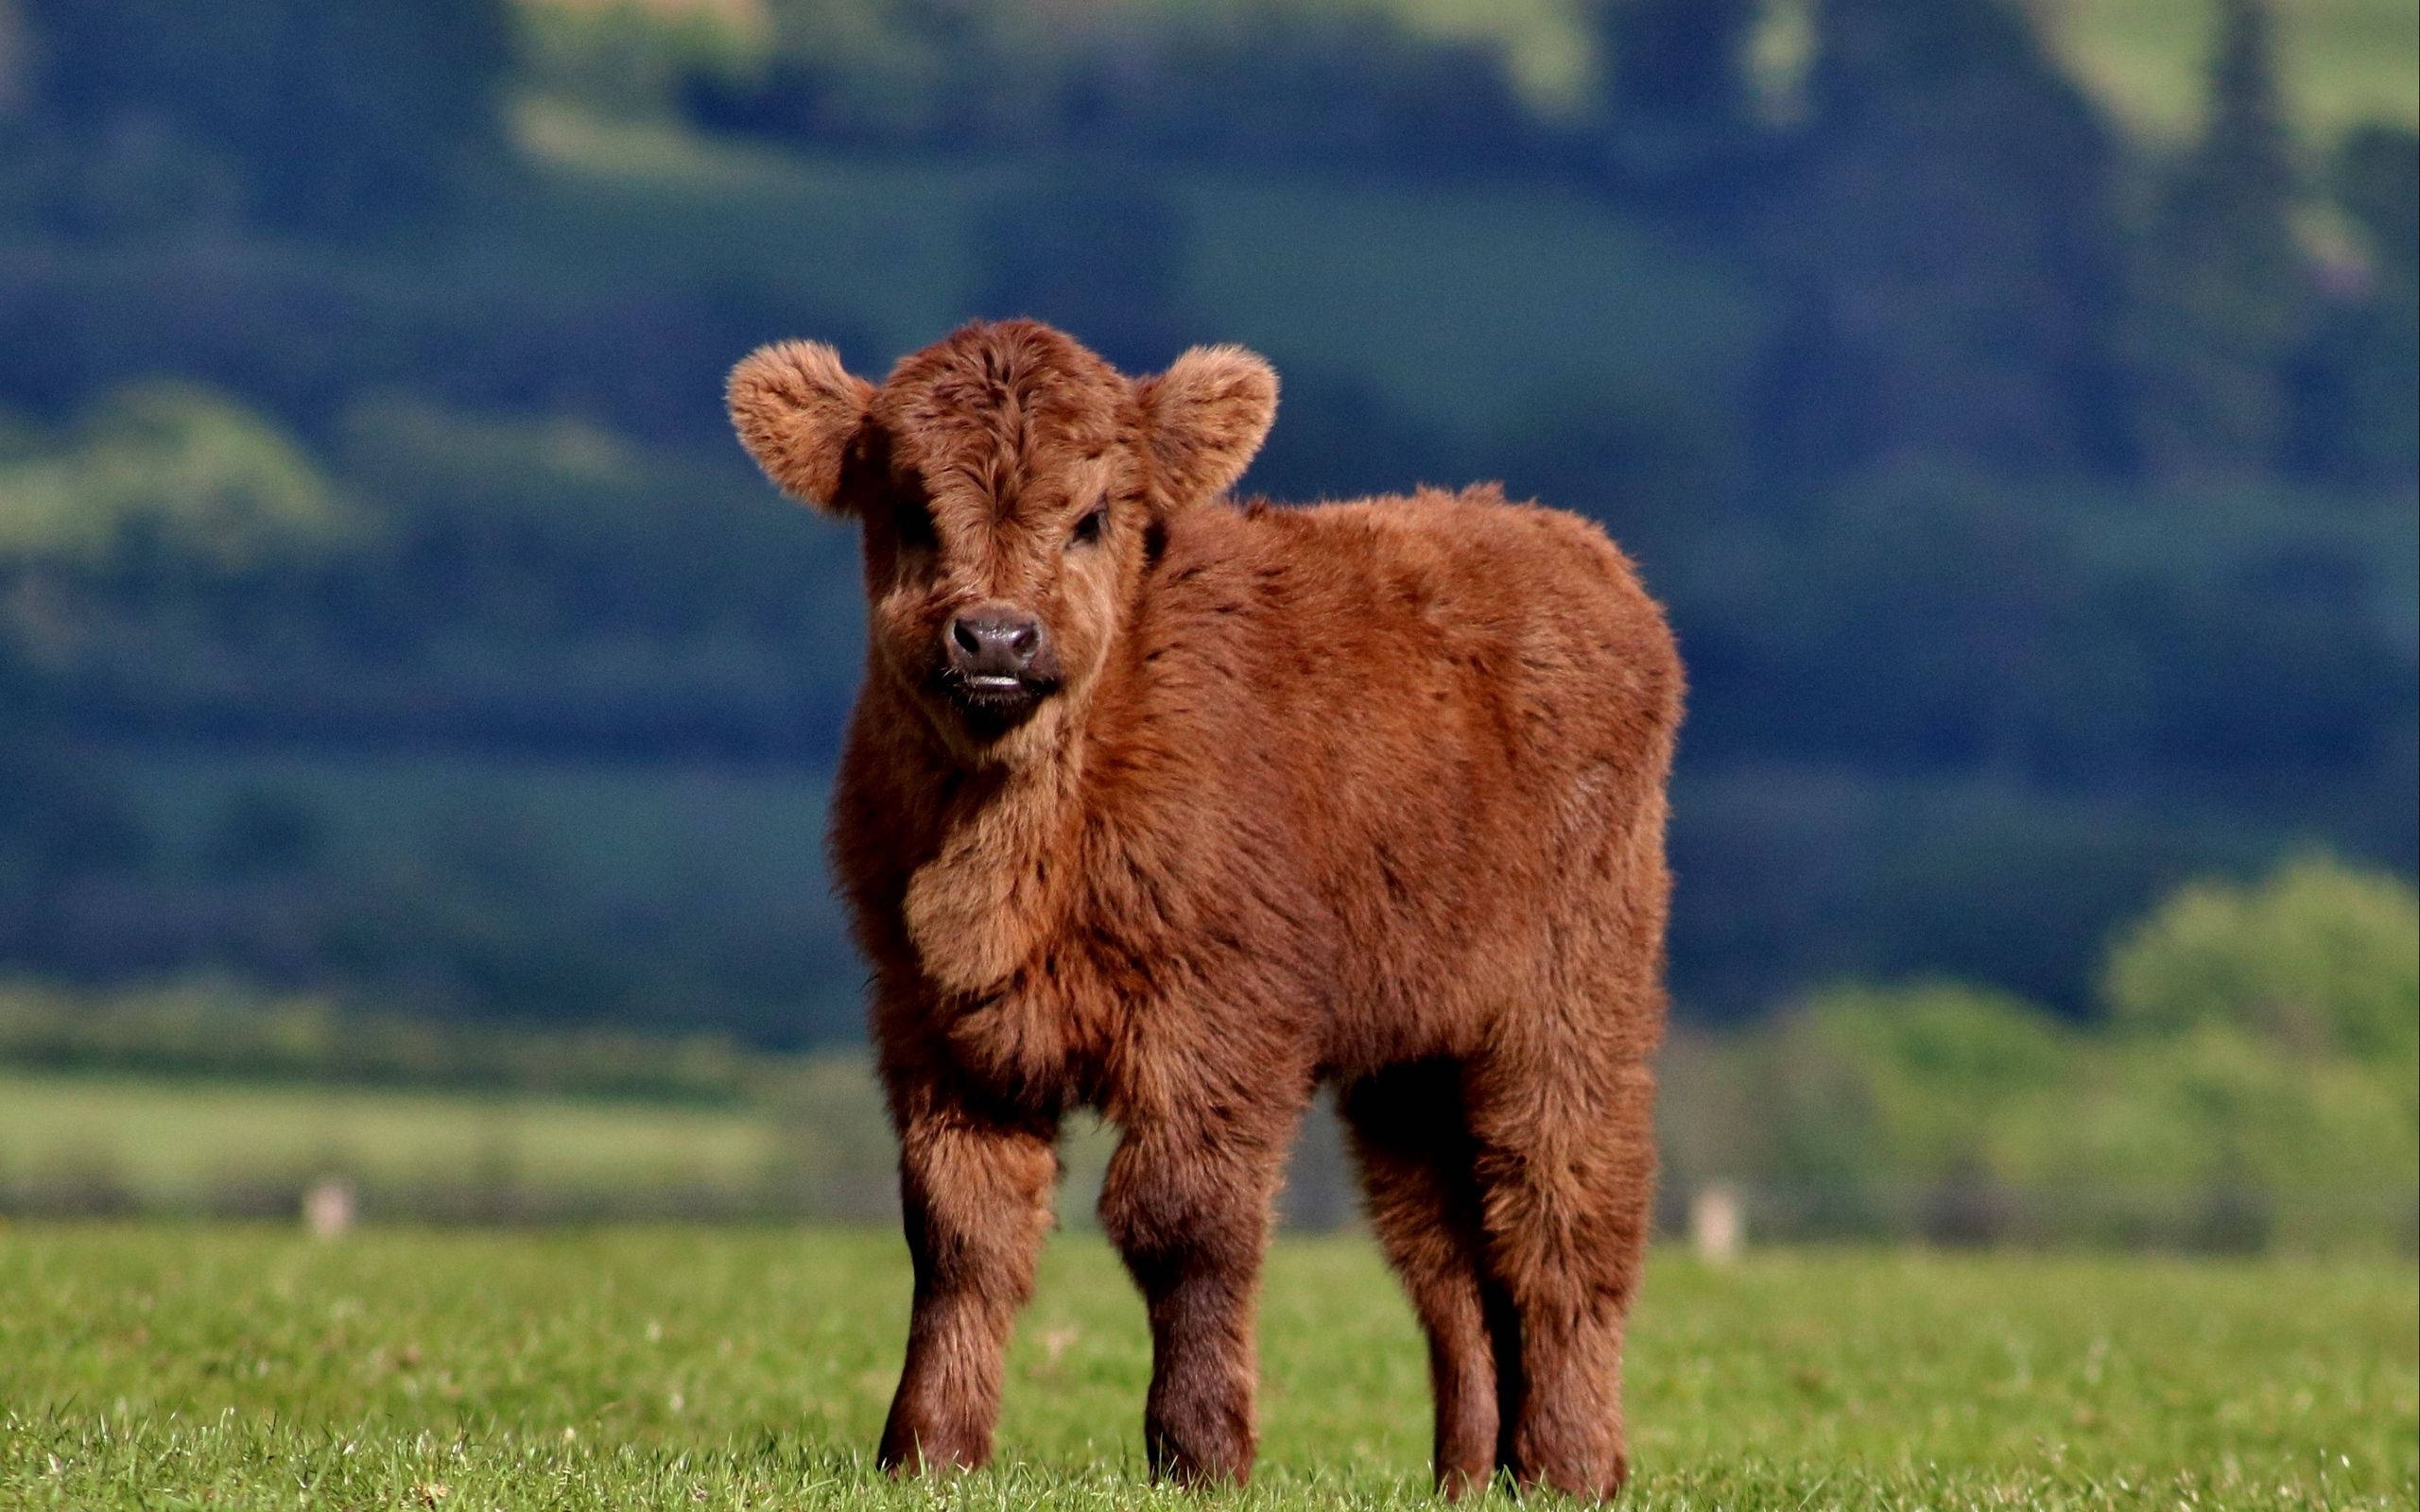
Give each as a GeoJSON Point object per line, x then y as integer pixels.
{"type": "Point", "coordinates": [2252, 1091]}
{"type": "Point", "coordinates": [2012, 404]}
{"type": "Point", "coordinates": [2345, 61]}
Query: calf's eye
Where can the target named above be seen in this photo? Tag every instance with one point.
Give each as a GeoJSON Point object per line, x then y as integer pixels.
{"type": "Point", "coordinates": [913, 526]}
{"type": "Point", "coordinates": [1089, 529]}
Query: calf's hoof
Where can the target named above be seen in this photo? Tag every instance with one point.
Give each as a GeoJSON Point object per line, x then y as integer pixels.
{"type": "Point", "coordinates": [1198, 1460]}
{"type": "Point", "coordinates": [1599, 1482]}
{"type": "Point", "coordinates": [930, 1450]}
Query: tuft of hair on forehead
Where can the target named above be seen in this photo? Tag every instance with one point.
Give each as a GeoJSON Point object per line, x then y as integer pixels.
{"type": "Point", "coordinates": [989, 365]}
{"type": "Point", "coordinates": [994, 399]}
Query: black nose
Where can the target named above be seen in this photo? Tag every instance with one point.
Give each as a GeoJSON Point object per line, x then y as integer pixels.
{"type": "Point", "coordinates": [994, 642]}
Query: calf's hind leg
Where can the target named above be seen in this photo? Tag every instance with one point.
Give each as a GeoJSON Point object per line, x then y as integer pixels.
{"type": "Point", "coordinates": [1416, 1155]}
{"type": "Point", "coordinates": [1566, 1169]}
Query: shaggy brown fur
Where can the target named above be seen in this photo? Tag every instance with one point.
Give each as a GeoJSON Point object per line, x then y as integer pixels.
{"type": "Point", "coordinates": [1177, 810]}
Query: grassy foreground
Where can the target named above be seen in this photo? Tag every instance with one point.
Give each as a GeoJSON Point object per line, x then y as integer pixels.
{"type": "Point", "coordinates": [183, 1366]}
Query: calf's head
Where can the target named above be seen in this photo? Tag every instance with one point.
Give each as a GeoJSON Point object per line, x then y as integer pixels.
{"type": "Point", "coordinates": [1010, 488]}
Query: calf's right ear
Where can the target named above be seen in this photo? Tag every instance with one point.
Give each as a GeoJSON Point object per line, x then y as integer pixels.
{"type": "Point", "coordinates": [1208, 415]}
{"type": "Point", "coordinates": [798, 411]}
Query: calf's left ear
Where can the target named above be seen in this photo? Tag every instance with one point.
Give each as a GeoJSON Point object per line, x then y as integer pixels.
{"type": "Point", "coordinates": [798, 411]}
{"type": "Point", "coordinates": [1207, 416]}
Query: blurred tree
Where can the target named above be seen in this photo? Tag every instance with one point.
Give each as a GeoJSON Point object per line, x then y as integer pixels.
{"type": "Point", "coordinates": [1879, 1104]}
{"type": "Point", "coordinates": [2355, 384]}
{"type": "Point", "coordinates": [1262, 84]}
{"type": "Point", "coordinates": [1946, 246]}
{"type": "Point", "coordinates": [1339, 439]}
{"type": "Point", "coordinates": [1677, 98]}
{"type": "Point", "coordinates": [2226, 289]}
{"type": "Point", "coordinates": [63, 818]}
{"type": "Point", "coordinates": [1302, 85]}
{"type": "Point", "coordinates": [2078, 635]}
{"type": "Point", "coordinates": [867, 71]}
{"type": "Point", "coordinates": [2377, 178]}
{"type": "Point", "coordinates": [12, 60]}
{"type": "Point", "coordinates": [305, 335]}
{"type": "Point", "coordinates": [1654, 463]}
{"type": "Point", "coordinates": [336, 119]}
{"type": "Point", "coordinates": [1683, 62]}
{"type": "Point", "coordinates": [626, 62]}
{"type": "Point", "coordinates": [178, 466]}
{"type": "Point", "coordinates": [2319, 957]}
{"type": "Point", "coordinates": [1094, 251]}
{"type": "Point", "coordinates": [1964, 1113]}
{"type": "Point", "coordinates": [263, 831]}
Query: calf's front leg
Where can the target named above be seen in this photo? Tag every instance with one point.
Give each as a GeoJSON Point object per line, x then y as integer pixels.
{"type": "Point", "coordinates": [1190, 1215]}
{"type": "Point", "coordinates": [976, 1196]}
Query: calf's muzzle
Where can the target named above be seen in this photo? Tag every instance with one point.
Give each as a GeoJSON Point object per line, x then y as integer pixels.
{"type": "Point", "coordinates": [994, 644]}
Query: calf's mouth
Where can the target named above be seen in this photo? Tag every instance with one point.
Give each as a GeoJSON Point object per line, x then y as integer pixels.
{"type": "Point", "coordinates": [995, 701]}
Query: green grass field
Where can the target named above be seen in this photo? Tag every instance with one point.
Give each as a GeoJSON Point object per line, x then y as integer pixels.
{"type": "Point", "coordinates": [171, 1367]}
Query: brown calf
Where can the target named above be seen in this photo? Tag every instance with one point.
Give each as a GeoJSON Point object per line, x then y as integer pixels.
{"type": "Point", "coordinates": [1177, 810]}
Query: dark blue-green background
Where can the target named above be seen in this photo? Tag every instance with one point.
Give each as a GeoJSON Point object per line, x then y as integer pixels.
{"type": "Point", "coordinates": [384, 608]}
